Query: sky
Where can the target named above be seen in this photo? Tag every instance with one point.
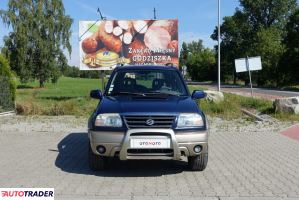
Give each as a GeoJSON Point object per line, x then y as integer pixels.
{"type": "Point", "coordinates": [197, 18]}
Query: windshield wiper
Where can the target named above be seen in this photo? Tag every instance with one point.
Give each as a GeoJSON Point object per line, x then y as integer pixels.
{"type": "Point", "coordinates": [127, 93]}
{"type": "Point", "coordinates": [161, 93]}
{"type": "Point", "coordinates": [144, 94]}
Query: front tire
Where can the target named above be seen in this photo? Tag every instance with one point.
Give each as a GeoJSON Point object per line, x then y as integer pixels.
{"type": "Point", "coordinates": [198, 163]}
{"type": "Point", "coordinates": [96, 162]}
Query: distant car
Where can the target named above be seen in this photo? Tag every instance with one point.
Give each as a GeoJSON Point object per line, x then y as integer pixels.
{"type": "Point", "coordinates": [147, 112]}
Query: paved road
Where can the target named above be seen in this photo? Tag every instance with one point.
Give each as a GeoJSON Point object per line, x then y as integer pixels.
{"type": "Point", "coordinates": [244, 163]}
{"type": "Point", "coordinates": [260, 92]}
{"type": "Point", "coordinates": [265, 91]}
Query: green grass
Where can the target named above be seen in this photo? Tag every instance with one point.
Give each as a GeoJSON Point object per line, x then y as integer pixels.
{"type": "Point", "coordinates": [286, 117]}
{"type": "Point", "coordinates": [194, 87]}
{"type": "Point", "coordinates": [70, 96]}
{"type": "Point", "coordinates": [231, 107]}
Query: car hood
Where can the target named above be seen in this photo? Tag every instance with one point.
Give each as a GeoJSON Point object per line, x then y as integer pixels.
{"type": "Point", "coordinates": [130, 105]}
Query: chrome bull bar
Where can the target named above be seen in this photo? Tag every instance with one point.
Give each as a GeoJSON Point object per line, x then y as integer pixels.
{"type": "Point", "coordinates": [123, 155]}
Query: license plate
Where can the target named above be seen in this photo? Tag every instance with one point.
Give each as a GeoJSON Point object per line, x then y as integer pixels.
{"type": "Point", "coordinates": [161, 143]}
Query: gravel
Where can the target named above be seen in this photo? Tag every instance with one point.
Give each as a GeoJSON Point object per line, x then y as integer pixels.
{"type": "Point", "coordinates": [39, 124]}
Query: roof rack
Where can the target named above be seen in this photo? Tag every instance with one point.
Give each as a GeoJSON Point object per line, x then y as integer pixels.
{"type": "Point", "coordinates": [169, 64]}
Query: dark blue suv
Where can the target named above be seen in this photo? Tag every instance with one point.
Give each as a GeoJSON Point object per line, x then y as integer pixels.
{"type": "Point", "coordinates": [147, 112]}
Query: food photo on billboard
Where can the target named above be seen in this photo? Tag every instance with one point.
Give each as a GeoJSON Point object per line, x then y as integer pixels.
{"type": "Point", "coordinates": [110, 43]}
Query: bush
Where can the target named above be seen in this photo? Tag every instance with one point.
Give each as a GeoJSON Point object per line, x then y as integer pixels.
{"type": "Point", "coordinates": [7, 86]}
{"type": "Point", "coordinates": [28, 108]}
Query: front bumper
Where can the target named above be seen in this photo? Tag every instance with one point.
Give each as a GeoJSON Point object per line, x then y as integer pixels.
{"type": "Point", "coordinates": [118, 143]}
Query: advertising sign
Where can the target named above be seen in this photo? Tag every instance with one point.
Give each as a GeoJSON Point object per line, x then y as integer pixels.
{"type": "Point", "coordinates": [107, 44]}
{"type": "Point", "coordinates": [247, 65]}
{"type": "Point", "coordinates": [240, 65]}
{"type": "Point", "coordinates": [254, 64]}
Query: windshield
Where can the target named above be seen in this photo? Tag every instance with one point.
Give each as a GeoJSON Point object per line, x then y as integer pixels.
{"type": "Point", "coordinates": [147, 82]}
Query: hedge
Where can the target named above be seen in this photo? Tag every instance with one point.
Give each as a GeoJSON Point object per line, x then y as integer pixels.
{"type": "Point", "coordinates": [7, 86]}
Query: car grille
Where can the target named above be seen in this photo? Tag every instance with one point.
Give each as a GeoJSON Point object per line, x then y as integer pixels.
{"type": "Point", "coordinates": [157, 121]}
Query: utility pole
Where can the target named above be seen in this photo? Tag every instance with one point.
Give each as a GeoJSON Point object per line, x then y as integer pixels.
{"type": "Point", "coordinates": [248, 69]}
{"type": "Point", "coordinates": [219, 78]}
{"type": "Point", "coordinates": [155, 13]}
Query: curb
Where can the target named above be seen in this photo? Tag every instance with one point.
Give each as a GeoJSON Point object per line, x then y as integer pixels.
{"type": "Point", "coordinates": [8, 113]}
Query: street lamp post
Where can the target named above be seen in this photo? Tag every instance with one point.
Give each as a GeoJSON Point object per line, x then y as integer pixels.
{"type": "Point", "coordinates": [219, 79]}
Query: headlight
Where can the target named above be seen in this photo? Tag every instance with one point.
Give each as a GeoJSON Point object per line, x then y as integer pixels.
{"type": "Point", "coordinates": [187, 120]}
{"type": "Point", "coordinates": [109, 120]}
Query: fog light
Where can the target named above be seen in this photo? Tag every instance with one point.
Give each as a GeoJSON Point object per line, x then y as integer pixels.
{"type": "Point", "coordinates": [101, 149]}
{"type": "Point", "coordinates": [197, 149]}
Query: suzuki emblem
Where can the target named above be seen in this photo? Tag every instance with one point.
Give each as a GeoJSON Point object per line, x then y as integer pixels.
{"type": "Point", "coordinates": [150, 122]}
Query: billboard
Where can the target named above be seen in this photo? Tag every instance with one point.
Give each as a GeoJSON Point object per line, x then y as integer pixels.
{"type": "Point", "coordinates": [107, 44]}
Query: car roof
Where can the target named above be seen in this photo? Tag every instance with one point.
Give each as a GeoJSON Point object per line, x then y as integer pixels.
{"type": "Point", "coordinates": [146, 67]}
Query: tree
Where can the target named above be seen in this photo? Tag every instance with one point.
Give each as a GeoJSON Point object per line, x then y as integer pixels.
{"type": "Point", "coordinates": [290, 62]}
{"type": "Point", "coordinates": [268, 44]}
{"type": "Point", "coordinates": [250, 31]}
{"type": "Point", "coordinates": [183, 54]}
{"type": "Point", "coordinates": [234, 43]}
{"type": "Point", "coordinates": [40, 31]}
{"type": "Point", "coordinates": [200, 61]}
{"type": "Point", "coordinates": [201, 65]}
{"type": "Point", "coordinates": [195, 46]}
{"type": "Point", "coordinates": [267, 13]}
{"type": "Point", "coordinates": [189, 49]}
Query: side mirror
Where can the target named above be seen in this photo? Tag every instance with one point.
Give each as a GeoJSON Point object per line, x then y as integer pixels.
{"type": "Point", "coordinates": [198, 94]}
{"type": "Point", "coordinates": [96, 94]}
